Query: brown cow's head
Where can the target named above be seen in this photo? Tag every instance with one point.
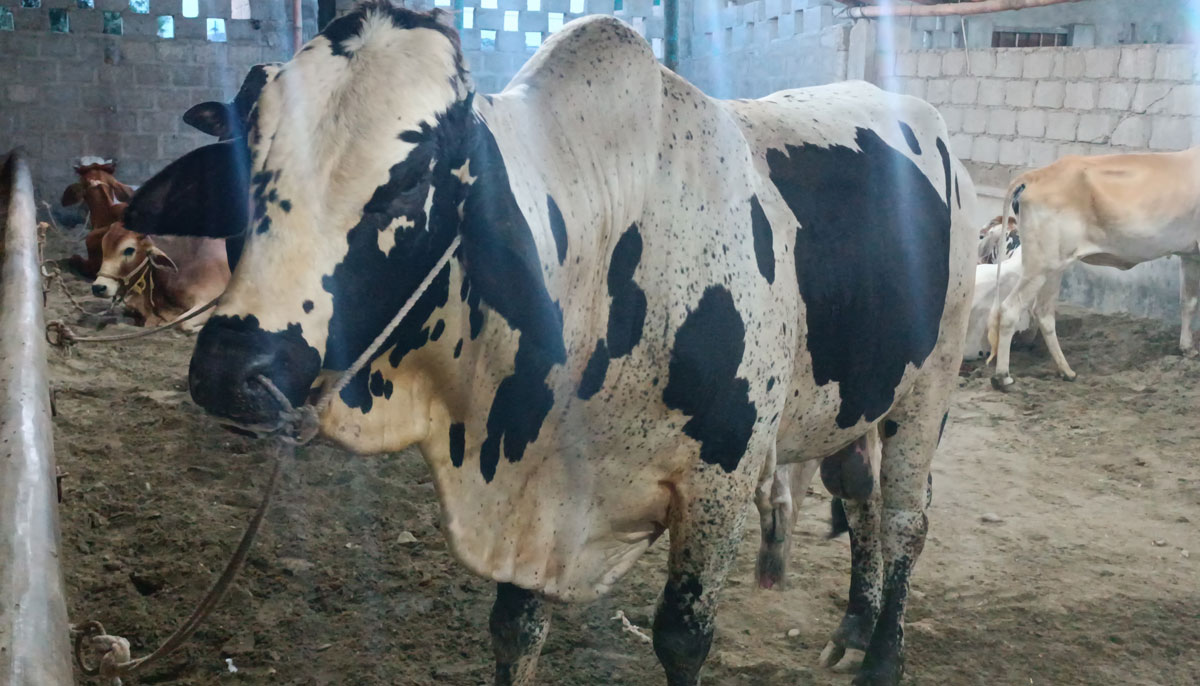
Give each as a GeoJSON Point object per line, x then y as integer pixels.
{"type": "Point", "coordinates": [128, 256]}
{"type": "Point", "coordinates": [99, 189]}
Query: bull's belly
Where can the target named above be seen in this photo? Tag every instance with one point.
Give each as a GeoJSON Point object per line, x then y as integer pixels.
{"type": "Point", "coordinates": [814, 423]}
{"type": "Point", "coordinates": [567, 523]}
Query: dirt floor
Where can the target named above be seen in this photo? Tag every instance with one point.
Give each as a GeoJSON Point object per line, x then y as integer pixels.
{"type": "Point", "coordinates": [1086, 572]}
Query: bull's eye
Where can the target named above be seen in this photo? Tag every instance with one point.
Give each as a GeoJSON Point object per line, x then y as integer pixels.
{"type": "Point", "coordinates": [129, 252]}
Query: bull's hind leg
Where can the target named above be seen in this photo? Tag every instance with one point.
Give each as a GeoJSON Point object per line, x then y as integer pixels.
{"type": "Point", "coordinates": [847, 647]}
{"type": "Point", "coordinates": [904, 481]}
{"type": "Point", "coordinates": [519, 623]}
{"type": "Point", "coordinates": [705, 524]}
{"type": "Point", "coordinates": [1189, 300]}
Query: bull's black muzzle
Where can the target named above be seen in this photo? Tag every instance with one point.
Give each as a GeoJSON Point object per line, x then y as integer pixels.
{"type": "Point", "coordinates": [232, 353]}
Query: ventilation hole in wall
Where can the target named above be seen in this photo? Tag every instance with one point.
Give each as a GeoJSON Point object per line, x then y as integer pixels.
{"type": "Point", "coordinates": [532, 40]}
{"type": "Point", "coordinates": [554, 21]}
{"type": "Point", "coordinates": [487, 40]}
{"type": "Point", "coordinates": [656, 44]}
{"type": "Point", "coordinates": [468, 17]}
{"type": "Point", "coordinates": [190, 8]}
{"type": "Point", "coordinates": [240, 9]}
{"type": "Point", "coordinates": [60, 22]}
{"type": "Point", "coordinates": [534, 5]}
{"type": "Point", "coordinates": [487, 4]}
{"type": "Point", "coordinates": [139, 6]}
{"type": "Point", "coordinates": [166, 26]}
{"type": "Point", "coordinates": [31, 4]}
{"type": "Point", "coordinates": [510, 20]}
{"type": "Point", "coordinates": [6, 19]}
{"type": "Point", "coordinates": [576, 6]}
{"type": "Point", "coordinates": [85, 4]}
{"type": "Point", "coordinates": [113, 25]}
{"type": "Point", "coordinates": [216, 30]}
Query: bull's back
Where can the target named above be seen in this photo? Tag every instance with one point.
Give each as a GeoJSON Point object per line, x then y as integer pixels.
{"type": "Point", "coordinates": [861, 186]}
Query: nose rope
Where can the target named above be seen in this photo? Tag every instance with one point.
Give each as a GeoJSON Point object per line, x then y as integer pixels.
{"type": "Point", "coordinates": [297, 426]}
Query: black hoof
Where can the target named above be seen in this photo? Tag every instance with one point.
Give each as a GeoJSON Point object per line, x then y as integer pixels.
{"type": "Point", "coordinates": [1003, 383]}
{"type": "Point", "coordinates": [881, 675]}
{"type": "Point", "coordinates": [1070, 378]}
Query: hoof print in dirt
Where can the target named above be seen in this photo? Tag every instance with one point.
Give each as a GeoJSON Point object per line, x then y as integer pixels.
{"type": "Point", "coordinates": [147, 584]}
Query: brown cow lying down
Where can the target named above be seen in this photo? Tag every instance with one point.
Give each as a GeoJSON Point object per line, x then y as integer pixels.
{"type": "Point", "coordinates": [100, 190]}
{"type": "Point", "coordinates": [1110, 210]}
{"type": "Point", "coordinates": [160, 281]}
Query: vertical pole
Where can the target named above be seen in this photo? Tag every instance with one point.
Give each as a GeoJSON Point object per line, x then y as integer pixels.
{"type": "Point", "coordinates": [297, 26]}
{"type": "Point", "coordinates": [34, 648]}
{"type": "Point", "coordinates": [671, 31]}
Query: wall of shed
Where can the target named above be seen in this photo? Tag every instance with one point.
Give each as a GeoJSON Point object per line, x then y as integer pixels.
{"type": "Point", "coordinates": [86, 92]}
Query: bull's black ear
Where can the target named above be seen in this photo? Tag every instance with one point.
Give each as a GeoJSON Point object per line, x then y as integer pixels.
{"type": "Point", "coordinates": [205, 193]}
{"type": "Point", "coordinates": [214, 118]}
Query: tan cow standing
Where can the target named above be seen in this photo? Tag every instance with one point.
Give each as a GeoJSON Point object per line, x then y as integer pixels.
{"type": "Point", "coordinates": [1110, 210]}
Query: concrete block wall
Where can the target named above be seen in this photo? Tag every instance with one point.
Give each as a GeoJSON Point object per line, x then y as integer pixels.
{"type": "Point", "coordinates": [1011, 109]}
{"type": "Point", "coordinates": [1014, 109]}
{"type": "Point", "coordinates": [85, 92]}
{"type": "Point", "coordinates": [1088, 24]}
{"type": "Point", "coordinates": [756, 48]}
{"type": "Point", "coordinates": [499, 36]}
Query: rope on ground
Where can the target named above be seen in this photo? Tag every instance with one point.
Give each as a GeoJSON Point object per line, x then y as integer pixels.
{"type": "Point", "coordinates": [112, 652]}
{"type": "Point", "coordinates": [629, 627]}
{"type": "Point", "coordinates": [59, 335]}
{"type": "Point", "coordinates": [295, 426]}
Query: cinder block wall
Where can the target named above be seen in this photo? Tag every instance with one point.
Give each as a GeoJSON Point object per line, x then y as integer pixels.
{"type": "Point", "coordinates": [1016, 108]}
{"type": "Point", "coordinates": [753, 49]}
{"type": "Point", "coordinates": [1013, 109]}
{"type": "Point", "coordinates": [497, 39]}
{"type": "Point", "coordinates": [86, 92]}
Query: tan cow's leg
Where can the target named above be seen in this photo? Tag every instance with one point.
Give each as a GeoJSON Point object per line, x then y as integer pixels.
{"type": "Point", "coordinates": [1010, 315]}
{"type": "Point", "coordinates": [1189, 300]}
{"type": "Point", "coordinates": [1044, 309]}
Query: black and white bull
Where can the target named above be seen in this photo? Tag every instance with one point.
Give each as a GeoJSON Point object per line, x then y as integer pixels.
{"type": "Point", "coordinates": [658, 298]}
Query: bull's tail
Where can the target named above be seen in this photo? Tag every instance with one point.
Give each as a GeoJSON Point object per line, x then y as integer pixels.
{"type": "Point", "coordinates": [1010, 197]}
{"type": "Point", "coordinates": [838, 523]}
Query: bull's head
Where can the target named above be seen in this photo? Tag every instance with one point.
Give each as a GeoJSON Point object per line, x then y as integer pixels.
{"type": "Point", "coordinates": [348, 186]}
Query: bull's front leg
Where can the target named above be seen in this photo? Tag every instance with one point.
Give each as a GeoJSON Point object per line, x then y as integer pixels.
{"type": "Point", "coordinates": [706, 520]}
{"type": "Point", "coordinates": [519, 623]}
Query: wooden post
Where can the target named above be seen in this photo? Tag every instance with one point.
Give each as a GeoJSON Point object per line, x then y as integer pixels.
{"type": "Point", "coordinates": [34, 645]}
